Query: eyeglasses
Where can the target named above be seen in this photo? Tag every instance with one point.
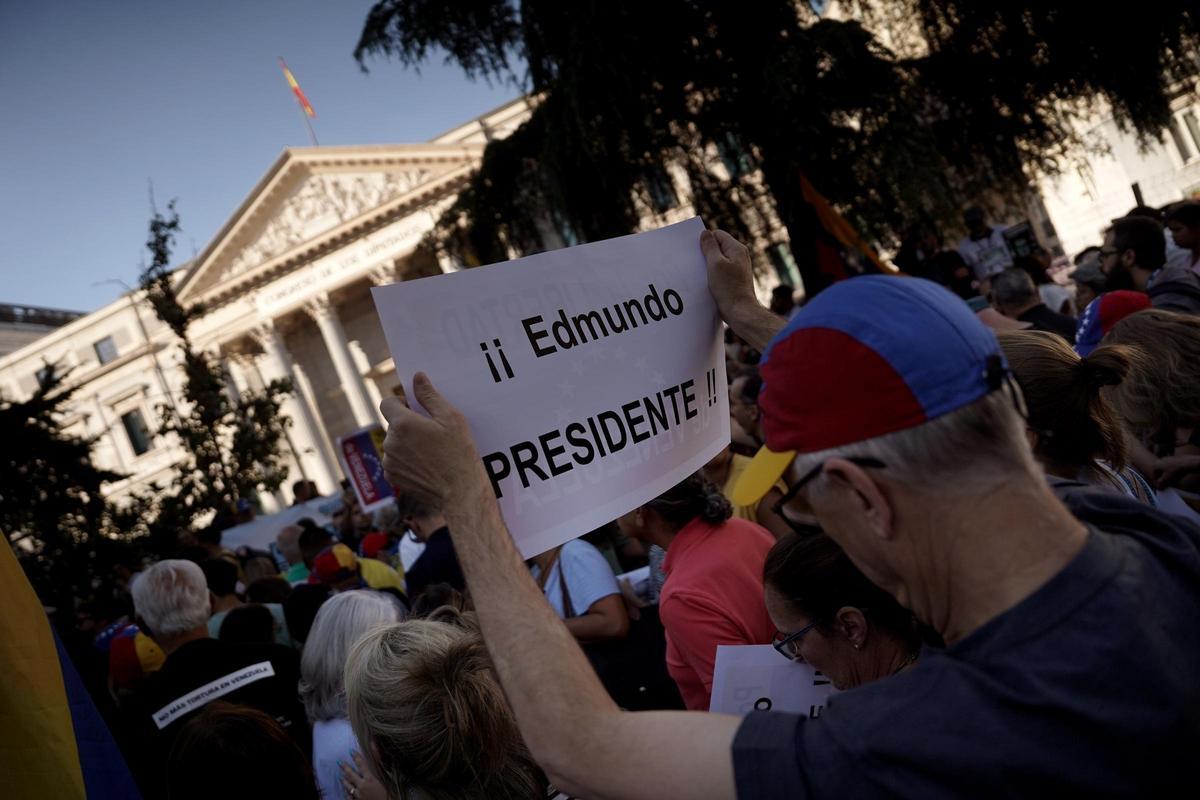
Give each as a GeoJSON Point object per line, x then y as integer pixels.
{"type": "Point", "coordinates": [789, 646]}
{"type": "Point", "coordinates": [805, 528]}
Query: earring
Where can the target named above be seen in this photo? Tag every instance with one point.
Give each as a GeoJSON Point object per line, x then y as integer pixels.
{"type": "Point", "coordinates": [858, 646]}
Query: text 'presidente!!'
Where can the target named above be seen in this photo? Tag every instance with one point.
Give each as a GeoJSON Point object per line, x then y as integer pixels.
{"type": "Point", "coordinates": [557, 451]}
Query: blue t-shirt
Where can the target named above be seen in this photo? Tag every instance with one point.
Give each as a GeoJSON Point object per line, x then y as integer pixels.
{"type": "Point", "coordinates": [588, 577]}
{"type": "Point", "coordinates": [1090, 687]}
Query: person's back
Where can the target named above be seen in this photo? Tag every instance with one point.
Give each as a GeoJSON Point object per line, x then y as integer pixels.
{"type": "Point", "coordinates": [263, 676]}
{"type": "Point", "coordinates": [1175, 288]}
{"type": "Point", "coordinates": [712, 595]}
{"type": "Point", "coordinates": [436, 564]}
{"type": "Point", "coordinates": [1018, 712]}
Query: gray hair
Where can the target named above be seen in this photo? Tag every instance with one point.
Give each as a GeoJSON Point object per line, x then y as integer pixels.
{"type": "Point", "coordinates": [966, 451]}
{"type": "Point", "coordinates": [1091, 275]}
{"type": "Point", "coordinates": [171, 597]}
{"type": "Point", "coordinates": [388, 519]}
{"type": "Point", "coordinates": [343, 619]}
{"type": "Point", "coordinates": [1013, 287]}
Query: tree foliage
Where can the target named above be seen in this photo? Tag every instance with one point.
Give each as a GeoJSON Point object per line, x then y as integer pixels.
{"type": "Point", "coordinates": [52, 510]}
{"type": "Point", "coordinates": [233, 442]}
{"type": "Point", "coordinates": [899, 112]}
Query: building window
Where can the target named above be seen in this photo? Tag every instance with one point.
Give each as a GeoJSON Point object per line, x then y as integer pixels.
{"type": "Point", "coordinates": [565, 229]}
{"type": "Point", "coordinates": [733, 156]}
{"type": "Point", "coordinates": [661, 191]}
{"type": "Point", "coordinates": [106, 349]}
{"type": "Point", "coordinates": [784, 263]}
{"type": "Point", "coordinates": [136, 430]}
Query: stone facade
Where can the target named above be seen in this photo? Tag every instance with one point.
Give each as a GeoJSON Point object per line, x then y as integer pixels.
{"type": "Point", "coordinates": [286, 287]}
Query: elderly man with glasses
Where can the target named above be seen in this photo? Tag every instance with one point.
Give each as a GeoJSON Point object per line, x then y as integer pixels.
{"type": "Point", "coordinates": [1071, 640]}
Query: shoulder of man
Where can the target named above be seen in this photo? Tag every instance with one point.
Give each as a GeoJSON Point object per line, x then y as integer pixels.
{"type": "Point", "coordinates": [1119, 514]}
{"type": "Point", "coordinates": [1176, 289]}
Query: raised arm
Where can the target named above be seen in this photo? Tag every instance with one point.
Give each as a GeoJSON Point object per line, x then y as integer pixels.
{"type": "Point", "coordinates": [584, 742]}
{"type": "Point", "coordinates": [731, 283]}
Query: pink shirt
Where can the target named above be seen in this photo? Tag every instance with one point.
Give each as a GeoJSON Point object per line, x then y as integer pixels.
{"type": "Point", "coordinates": [713, 595]}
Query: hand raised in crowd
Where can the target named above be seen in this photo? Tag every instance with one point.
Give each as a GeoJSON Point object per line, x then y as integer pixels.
{"type": "Point", "coordinates": [357, 781]}
{"type": "Point", "coordinates": [1171, 470]}
{"type": "Point", "coordinates": [431, 457]}
{"type": "Point", "coordinates": [731, 283]}
{"type": "Point", "coordinates": [730, 276]}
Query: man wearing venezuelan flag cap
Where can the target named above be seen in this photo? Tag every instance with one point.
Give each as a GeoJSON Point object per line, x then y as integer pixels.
{"type": "Point", "coordinates": [1071, 647]}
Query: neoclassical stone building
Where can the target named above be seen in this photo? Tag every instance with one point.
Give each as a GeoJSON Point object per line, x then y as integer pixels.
{"type": "Point", "coordinates": [286, 287]}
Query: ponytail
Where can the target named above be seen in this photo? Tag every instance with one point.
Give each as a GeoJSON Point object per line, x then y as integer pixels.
{"type": "Point", "coordinates": [695, 497]}
{"type": "Point", "coordinates": [1068, 409]}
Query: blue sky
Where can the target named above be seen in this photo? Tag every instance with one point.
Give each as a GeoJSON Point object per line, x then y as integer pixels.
{"type": "Point", "coordinates": [98, 98]}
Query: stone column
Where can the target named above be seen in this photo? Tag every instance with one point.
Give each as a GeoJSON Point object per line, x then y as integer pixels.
{"type": "Point", "coordinates": [364, 368]}
{"type": "Point", "coordinates": [325, 315]}
{"type": "Point", "coordinates": [276, 362]}
{"type": "Point", "coordinates": [325, 445]}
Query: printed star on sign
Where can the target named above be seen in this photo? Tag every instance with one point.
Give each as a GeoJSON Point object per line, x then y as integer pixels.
{"type": "Point", "coordinates": [566, 389]}
{"type": "Point", "coordinates": [578, 368]}
{"type": "Point", "coordinates": [659, 379]}
{"type": "Point", "coordinates": [620, 354]}
{"type": "Point", "coordinates": [642, 363]}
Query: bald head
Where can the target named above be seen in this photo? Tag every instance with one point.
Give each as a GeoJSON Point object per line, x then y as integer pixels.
{"type": "Point", "coordinates": [288, 542]}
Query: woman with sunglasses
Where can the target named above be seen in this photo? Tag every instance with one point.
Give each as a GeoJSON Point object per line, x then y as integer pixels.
{"type": "Point", "coordinates": [830, 616]}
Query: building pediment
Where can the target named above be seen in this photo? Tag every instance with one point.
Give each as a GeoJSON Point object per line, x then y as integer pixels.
{"type": "Point", "coordinates": [311, 197]}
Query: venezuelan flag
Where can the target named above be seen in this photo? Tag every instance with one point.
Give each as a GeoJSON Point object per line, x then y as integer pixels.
{"type": "Point", "coordinates": [53, 743]}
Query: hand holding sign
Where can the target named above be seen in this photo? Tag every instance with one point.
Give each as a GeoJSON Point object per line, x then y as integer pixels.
{"type": "Point", "coordinates": [590, 379]}
{"type": "Point", "coordinates": [730, 276]}
{"type": "Point", "coordinates": [433, 458]}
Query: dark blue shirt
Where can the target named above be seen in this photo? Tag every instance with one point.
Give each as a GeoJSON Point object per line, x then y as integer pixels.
{"type": "Point", "coordinates": [1090, 687]}
{"type": "Point", "coordinates": [438, 563]}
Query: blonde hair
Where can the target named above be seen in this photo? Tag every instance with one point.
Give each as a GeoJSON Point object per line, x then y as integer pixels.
{"type": "Point", "coordinates": [1074, 423]}
{"type": "Point", "coordinates": [1163, 391]}
{"type": "Point", "coordinates": [432, 719]}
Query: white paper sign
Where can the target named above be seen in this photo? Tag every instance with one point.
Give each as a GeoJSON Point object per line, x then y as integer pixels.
{"type": "Point", "coordinates": [593, 377]}
{"type": "Point", "coordinates": [757, 678]}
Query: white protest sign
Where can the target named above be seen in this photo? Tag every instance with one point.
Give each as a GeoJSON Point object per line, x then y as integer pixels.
{"type": "Point", "coordinates": [593, 377]}
{"type": "Point", "coordinates": [757, 678]}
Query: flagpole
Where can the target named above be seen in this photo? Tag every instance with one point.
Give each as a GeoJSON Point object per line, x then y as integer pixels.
{"type": "Point", "coordinates": [312, 136]}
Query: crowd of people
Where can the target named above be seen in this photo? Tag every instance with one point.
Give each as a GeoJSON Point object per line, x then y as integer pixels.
{"type": "Point", "coordinates": [972, 506]}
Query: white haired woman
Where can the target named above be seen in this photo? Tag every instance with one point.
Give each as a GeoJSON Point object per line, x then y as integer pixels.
{"type": "Point", "coordinates": [343, 619]}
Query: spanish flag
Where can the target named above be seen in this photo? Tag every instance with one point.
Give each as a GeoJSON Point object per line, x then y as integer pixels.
{"type": "Point", "coordinates": [296, 90]}
{"type": "Point", "coordinates": [53, 742]}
